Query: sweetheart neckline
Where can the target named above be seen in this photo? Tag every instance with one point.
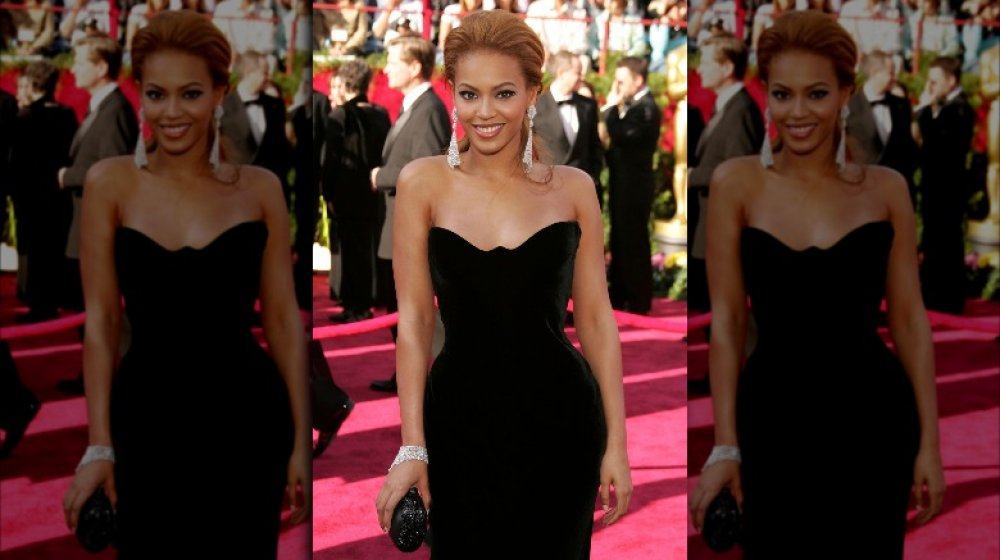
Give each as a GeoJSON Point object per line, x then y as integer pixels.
{"type": "Point", "coordinates": [208, 245]}
{"type": "Point", "coordinates": [835, 244]}
{"type": "Point", "coordinates": [502, 247]}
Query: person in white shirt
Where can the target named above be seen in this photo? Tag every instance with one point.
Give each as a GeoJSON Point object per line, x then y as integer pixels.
{"type": "Point", "coordinates": [874, 25]}
{"type": "Point", "coordinates": [247, 24]}
{"type": "Point", "coordinates": [399, 17]}
{"type": "Point", "coordinates": [560, 24]}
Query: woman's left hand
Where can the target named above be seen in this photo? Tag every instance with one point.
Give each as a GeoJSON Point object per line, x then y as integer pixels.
{"type": "Point", "coordinates": [927, 471]}
{"type": "Point", "coordinates": [300, 479]}
{"type": "Point", "coordinates": [615, 472]}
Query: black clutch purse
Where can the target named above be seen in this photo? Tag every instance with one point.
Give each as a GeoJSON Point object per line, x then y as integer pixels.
{"type": "Point", "coordinates": [722, 522]}
{"type": "Point", "coordinates": [409, 522]}
{"type": "Point", "coordinates": [95, 528]}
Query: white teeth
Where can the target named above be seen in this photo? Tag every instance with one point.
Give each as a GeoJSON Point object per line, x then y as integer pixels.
{"type": "Point", "coordinates": [488, 129]}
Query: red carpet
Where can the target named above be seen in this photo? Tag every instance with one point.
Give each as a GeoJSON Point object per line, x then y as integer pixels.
{"type": "Point", "coordinates": [968, 381]}
{"type": "Point", "coordinates": [350, 473]}
{"type": "Point", "coordinates": [34, 479]}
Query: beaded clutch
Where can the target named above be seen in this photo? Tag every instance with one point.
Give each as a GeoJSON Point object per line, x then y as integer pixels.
{"type": "Point", "coordinates": [722, 522]}
{"type": "Point", "coordinates": [409, 522]}
{"type": "Point", "coordinates": [95, 528]}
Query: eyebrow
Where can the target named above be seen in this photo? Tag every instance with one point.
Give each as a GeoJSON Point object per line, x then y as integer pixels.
{"type": "Point", "coordinates": [810, 86]}
{"type": "Point", "coordinates": [187, 85]}
{"type": "Point", "coordinates": [505, 84]}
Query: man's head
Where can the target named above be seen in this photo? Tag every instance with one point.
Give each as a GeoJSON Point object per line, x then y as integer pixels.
{"type": "Point", "coordinates": [880, 71]}
{"type": "Point", "coordinates": [353, 78]}
{"type": "Point", "coordinates": [567, 72]}
{"type": "Point", "coordinates": [96, 61]}
{"type": "Point", "coordinates": [943, 76]}
{"type": "Point", "coordinates": [630, 75]}
{"type": "Point", "coordinates": [410, 62]}
{"type": "Point", "coordinates": [723, 61]}
{"type": "Point", "coordinates": [253, 70]}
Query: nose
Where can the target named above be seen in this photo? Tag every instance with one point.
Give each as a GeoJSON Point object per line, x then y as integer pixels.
{"type": "Point", "coordinates": [485, 108]}
{"type": "Point", "coordinates": [173, 106]}
{"type": "Point", "coordinates": [798, 106]}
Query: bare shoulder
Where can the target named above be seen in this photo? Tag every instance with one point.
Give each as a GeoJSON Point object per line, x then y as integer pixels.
{"type": "Point", "coordinates": [111, 177]}
{"type": "Point", "coordinates": [735, 177]}
{"type": "Point", "coordinates": [575, 181]}
{"type": "Point", "coordinates": [258, 179]}
{"type": "Point", "coordinates": [886, 180]}
{"type": "Point", "coordinates": [422, 177]}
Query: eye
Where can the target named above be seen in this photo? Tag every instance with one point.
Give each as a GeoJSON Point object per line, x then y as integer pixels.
{"type": "Point", "coordinates": [779, 95]}
{"type": "Point", "coordinates": [193, 94]}
{"type": "Point", "coordinates": [506, 94]}
{"type": "Point", "coordinates": [818, 94]}
{"type": "Point", "coordinates": [154, 95]}
{"type": "Point", "coordinates": [467, 95]}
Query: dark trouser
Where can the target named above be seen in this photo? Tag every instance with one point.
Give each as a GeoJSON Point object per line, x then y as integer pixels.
{"type": "Point", "coordinates": [72, 286]}
{"type": "Point", "coordinates": [14, 396]}
{"type": "Point", "coordinates": [357, 257]}
{"type": "Point", "coordinates": [942, 272]}
{"type": "Point", "coordinates": [631, 271]}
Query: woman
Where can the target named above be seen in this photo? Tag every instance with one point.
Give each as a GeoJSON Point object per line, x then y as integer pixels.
{"type": "Point", "coordinates": [509, 408]}
{"type": "Point", "coordinates": [139, 17]}
{"type": "Point", "coordinates": [42, 136]}
{"type": "Point", "coordinates": [196, 413]}
{"type": "Point", "coordinates": [453, 15]}
{"type": "Point", "coordinates": [833, 429]}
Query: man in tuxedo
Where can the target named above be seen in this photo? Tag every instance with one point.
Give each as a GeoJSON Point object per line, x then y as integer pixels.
{"type": "Point", "coordinates": [945, 124]}
{"type": "Point", "coordinates": [109, 129]}
{"type": "Point", "coordinates": [253, 123]}
{"type": "Point", "coordinates": [422, 129]}
{"type": "Point", "coordinates": [880, 123]}
{"type": "Point", "coordinates": [567, 121]}
{"type": "Point", "coordinates": [734, 129]}
{"type": "Point", "coordinates": [633, 121]}
{"type": "Point", "coordinates": [356, 134]}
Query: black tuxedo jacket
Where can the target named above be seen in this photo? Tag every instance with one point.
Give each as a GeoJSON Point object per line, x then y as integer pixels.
{"type": "Point", "coordinates": [738, 130]}
{"type": "Point", "coordinates": [899, 151]}
{"type": "Point", "coordinates": [634, 138]}
{"type": "Point", "coordinates": [424, 130]}
{"type": "Point", "coordinates": [346, 183]}
{"type": "Point", "coordinates": [274, 152]}
{"type": "Point", "coordinates": [586, 152]}
{"type": "Point", "coordinates": [947, 139]}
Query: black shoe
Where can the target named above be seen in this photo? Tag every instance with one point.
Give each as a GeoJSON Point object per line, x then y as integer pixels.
{"type": "Point", "coordinates": [348, 316]}
{"type": "Point", "coordinates": [34, 316]}
{"type": "Point", "coordinates": [18, 425]}
{"type": "Point", "coordinates": [338, 420]}
{"type": "Point", "coordinates": [71, 386]}
{"type": "Point", "coordinates": [384, 385]}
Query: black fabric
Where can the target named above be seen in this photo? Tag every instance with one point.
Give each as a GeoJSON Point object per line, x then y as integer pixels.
{"type": "Point", "coordinates": [822, 398]}
{"type": "Point", "coordinates": [510, 405]}
{"type": "Point", "coordinates": [197, 406]}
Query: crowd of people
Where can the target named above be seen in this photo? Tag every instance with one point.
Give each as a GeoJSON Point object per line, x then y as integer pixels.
{"type": "Point", "coordinates": [49, 27]}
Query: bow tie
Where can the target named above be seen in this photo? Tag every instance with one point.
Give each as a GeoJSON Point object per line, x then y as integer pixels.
{"type": "Point", "coordinates": [255, 101]}
{"type": "Point", "coordinates": [567, 101]}
{"type": "Point", "coordinates": [882, 101]}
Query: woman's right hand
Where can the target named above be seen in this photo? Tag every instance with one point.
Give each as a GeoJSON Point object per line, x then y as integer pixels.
{"type": "Point", "coordinates": [710, 483]}
{"type": "Point", "coordinates": [400, 479]}
{"type": "Point", "coordinates": [87, 480]}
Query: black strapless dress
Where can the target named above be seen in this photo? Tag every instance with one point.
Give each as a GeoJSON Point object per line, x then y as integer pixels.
{"type": "Point", "coordinates": [200, 415]}
{"type": "Point", "coordinates": [826, 416]}
{"type": "Point", "coordinates": [512, 413]}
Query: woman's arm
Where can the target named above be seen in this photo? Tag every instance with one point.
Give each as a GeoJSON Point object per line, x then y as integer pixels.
{"type": "Point", "coordinates": [415, 294]}
{"type": "Point", "coordinates": [284, 330]}
{"type": "Point", "coordinates": [598, 331]}
{"type": "Point", "coordinates": [911, 335]}
{"type": "Point", "coordinates": [724, 223]}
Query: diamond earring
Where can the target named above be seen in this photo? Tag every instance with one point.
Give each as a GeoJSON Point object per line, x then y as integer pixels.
{"type": "Point", "coordinates": [453, 159]}
{"type": "Point", "coordinates": [528, 159]}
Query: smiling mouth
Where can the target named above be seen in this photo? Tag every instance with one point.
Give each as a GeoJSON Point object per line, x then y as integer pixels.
{"type": "Point", "coordinates": [800, 131]}
{"type": "Point", "coordinates": [487, 131]}
{"type": "Point", "coordinates": [174, 131]}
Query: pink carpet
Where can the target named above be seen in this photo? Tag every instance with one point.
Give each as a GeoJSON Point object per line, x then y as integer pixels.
{"type": "Point", "coordinates": [34, 479]}
{"type": "Point", "coordinates": [350, 473]}
{"type": "Point", "coordinates": [968, 381]}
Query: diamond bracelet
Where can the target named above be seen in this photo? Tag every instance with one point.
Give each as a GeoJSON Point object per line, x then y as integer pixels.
{"type": "Point", "coordinates": [410, 453]}
{"type": "Point", "coordinates": [96, 453]}
{"type": "Point", "coordinates": [722, 453]}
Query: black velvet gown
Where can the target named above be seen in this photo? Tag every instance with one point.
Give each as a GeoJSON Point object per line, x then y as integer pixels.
{"type": "Point", "coordinates": [512, 413]}
{"type": "Point", "coordinates": [826, 415]}
{"type": "Point", "coordinates": [200, 416]}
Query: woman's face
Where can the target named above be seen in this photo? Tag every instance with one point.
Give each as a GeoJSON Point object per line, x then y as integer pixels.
{"type": "Point", "coordinates": [805, 100]}
{"type": "Point", "coordinates": [492, 97]}
{"type": "Point", "coordinates": [178, 100]}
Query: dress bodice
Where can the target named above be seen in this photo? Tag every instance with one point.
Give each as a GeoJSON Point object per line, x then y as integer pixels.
{"type": "Point", "coordinates": [801, 298]}
{"type": "Point", "coordinates": [199, 296]}
{"type": "Point", "coordinates": [513, 294]}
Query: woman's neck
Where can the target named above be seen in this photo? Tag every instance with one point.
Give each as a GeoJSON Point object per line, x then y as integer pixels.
{"type": "Point", "coordinates": [189, 165]}
{"type": "Point", "coordinates": [817, 163]}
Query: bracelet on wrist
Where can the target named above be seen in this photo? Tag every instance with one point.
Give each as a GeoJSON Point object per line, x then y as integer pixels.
{"type": "Point", "coordinates": [722, 453]}
{"type": "Point", "coordinates": [410, 453]}
{"type": "Point", "coordinates": [97, 453]}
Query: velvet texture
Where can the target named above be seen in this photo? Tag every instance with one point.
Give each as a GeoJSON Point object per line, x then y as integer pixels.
{"type": "Point", "coordinates": [512, 415]}
{"type": "Point", "coordinates": [831, 468]}
{"type": "Point", "coordinates": [200, 416]}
